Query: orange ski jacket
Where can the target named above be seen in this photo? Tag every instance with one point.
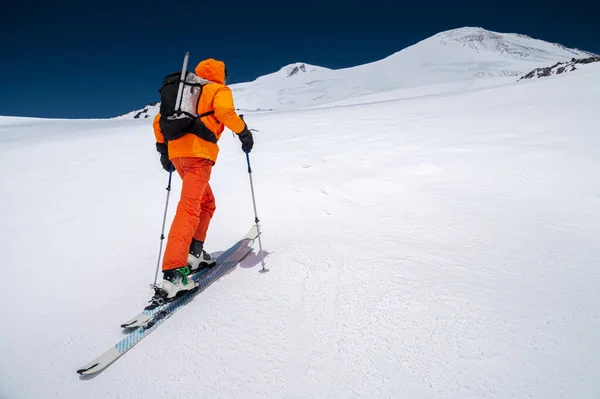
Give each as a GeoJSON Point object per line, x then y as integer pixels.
{"type": "Point", "coordinates": [215, 96]}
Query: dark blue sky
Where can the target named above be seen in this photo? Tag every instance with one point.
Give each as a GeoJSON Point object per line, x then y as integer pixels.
{"type": "Point", "coordinates": [100, 59]}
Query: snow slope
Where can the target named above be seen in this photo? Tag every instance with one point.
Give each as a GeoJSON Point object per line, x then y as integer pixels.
{"type": "Point", "coordinates": [432, 247]}
{"type": "Point", "coordinates": [455, 55]}
{"type": "Point", "coordinates": [459, 55]}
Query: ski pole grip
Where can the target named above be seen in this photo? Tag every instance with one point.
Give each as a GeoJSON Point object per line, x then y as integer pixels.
{"type": "Point", "coordinates": [170, 176]}
{"type": "Point", "coordinates": [248, 161]}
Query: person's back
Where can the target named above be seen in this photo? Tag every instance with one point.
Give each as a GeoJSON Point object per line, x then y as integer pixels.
{"type": "Point", "coordinates": [193, 158]}
{"type": "Point", "coordinates": [215, 97]}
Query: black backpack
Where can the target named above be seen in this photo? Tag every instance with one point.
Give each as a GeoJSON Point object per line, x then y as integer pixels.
{"type": "Point", "coordinates": [175, 123]}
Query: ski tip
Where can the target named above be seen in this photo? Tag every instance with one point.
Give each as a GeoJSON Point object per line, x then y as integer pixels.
{"type": "Point", "coordinates": [253, 233]}
{"type": "Point", "coordinates": [87, 370]}
{"type": "Point", "coordinates": [135, 323]}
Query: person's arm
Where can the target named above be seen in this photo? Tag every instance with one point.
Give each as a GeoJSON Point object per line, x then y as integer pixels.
{"type": "Point", "coordinates": [161, 145]}
{"type": "Point", "coordinates": [225, 112]}
{"type": "Point", "coordinates": [157, 132]}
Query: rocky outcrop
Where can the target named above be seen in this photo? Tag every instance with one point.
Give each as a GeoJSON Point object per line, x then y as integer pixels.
{"type": "Point", "coordinates": [296, 69]}
{"type": "Point", "coordinates": [559, 68]}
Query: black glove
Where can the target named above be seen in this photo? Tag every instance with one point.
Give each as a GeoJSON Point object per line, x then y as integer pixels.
{"type": "Point", "coordinates": [164, 157]}
{"type": "Point", "coordinates": [246, 139]}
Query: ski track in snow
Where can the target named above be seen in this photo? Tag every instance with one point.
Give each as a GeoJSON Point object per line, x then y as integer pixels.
{"type": "Point", "coordinates": [434, 247]}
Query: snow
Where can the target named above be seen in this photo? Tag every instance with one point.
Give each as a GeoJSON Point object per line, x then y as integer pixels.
{"type": "Point", "coordinates": [473, 55]}
{"type": "Point", "coordinates": [457, 55]}
{"type": "Point", "coordinates": [436, 245]}
{"type": "Point", "coordinates": [148, 112]}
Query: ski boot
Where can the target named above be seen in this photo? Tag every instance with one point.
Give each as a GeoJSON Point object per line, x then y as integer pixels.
{"type": "Point", "coordinates": [198, 258]}
{"type": "Point", "coordinates": [175, 282]}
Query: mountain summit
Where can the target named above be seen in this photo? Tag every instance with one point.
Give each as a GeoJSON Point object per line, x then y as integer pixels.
{"type": "Point", "coordinates": [510, 45]}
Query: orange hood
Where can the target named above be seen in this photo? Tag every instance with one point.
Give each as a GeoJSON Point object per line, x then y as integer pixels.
{"type": "Point", "coordinates": [212, 70]}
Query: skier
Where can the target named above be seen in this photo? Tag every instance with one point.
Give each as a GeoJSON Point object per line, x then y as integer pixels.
{"type": "Point", "coordinates": [193, 158]}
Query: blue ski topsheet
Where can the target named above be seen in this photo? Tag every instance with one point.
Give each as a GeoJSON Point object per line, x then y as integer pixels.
{"type": "Point", "coordinates": [203, 280]}
{"type": "Point", "coordinates": [199, 275]}
{"type": "Point", "coordinates": [231, 257]}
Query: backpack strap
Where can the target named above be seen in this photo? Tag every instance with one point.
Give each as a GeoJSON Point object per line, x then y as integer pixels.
{"type": "Point", "coordinates": [206, 114]}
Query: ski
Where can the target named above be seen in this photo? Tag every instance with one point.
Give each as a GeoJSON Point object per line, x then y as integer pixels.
{"type": "Point", "coordinates": [142, 318]}
{"type": "Point", "coordinates": [230, 258]}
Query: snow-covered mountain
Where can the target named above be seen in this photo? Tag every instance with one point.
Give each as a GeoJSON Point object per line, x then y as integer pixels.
{"type": "Point", "coordinates": [147, 112]}
{"type": "Point", "coordinates": [459, 55]}
{"type": "Point", "coordinates": [456, 55]}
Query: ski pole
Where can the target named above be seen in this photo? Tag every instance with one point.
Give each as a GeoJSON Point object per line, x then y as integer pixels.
{"type": "Point", "coordinates": [177, 107]}
{"type": "Point", "coordinates": [162, 232]}
{"type": "Point", "coordinates": [262, 259]}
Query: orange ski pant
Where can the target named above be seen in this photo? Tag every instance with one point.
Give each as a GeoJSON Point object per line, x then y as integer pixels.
{"type": "Point", "coordinates": [194, 210]}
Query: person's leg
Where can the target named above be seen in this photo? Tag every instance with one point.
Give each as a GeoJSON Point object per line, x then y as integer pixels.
{"type": "Point", "coordinates": [198, 258]}
{"type": "Point", "coordinates": [207, 210]}
{"type": "Point", "coordinates": [196, 174]}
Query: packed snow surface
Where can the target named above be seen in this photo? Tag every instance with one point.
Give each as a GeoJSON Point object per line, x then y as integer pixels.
{"type": "Point", "coordinates": [438, 246]}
